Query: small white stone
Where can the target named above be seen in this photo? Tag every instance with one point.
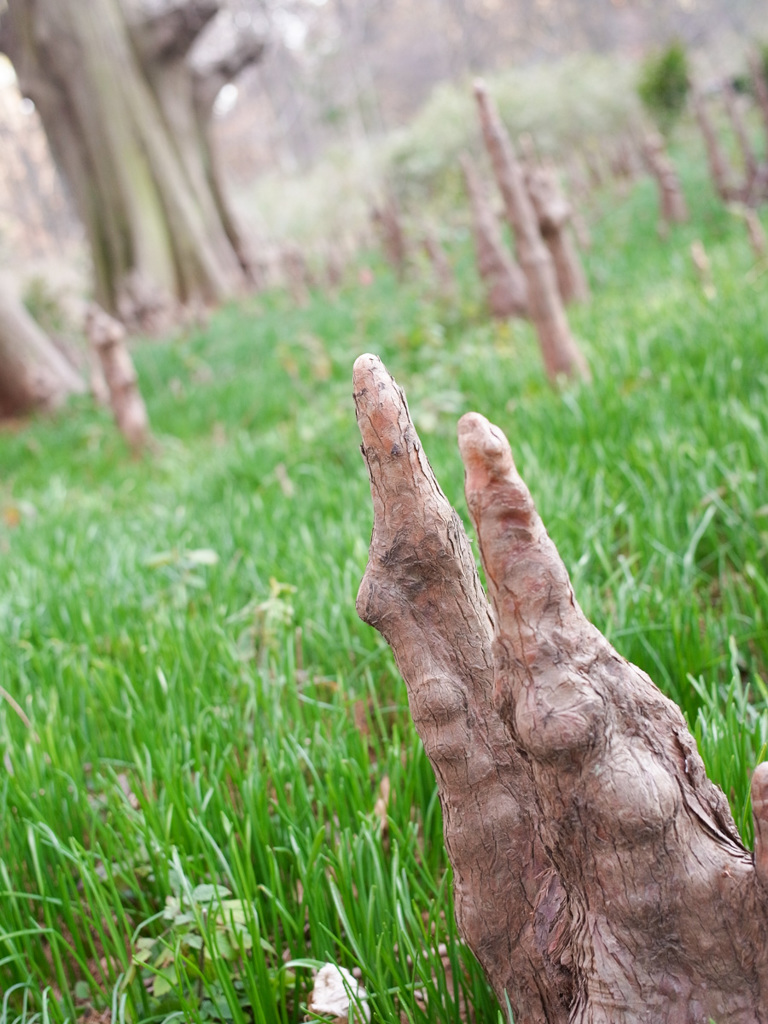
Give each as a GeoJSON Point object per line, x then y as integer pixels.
{"type": "Point", "coordinates": [331, 993]}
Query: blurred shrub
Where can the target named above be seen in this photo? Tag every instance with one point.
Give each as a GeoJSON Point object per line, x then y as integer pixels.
{"type": "Point", "coordinates": [564, 105]}
{"type": "Point", "coordinates": [664, 84]}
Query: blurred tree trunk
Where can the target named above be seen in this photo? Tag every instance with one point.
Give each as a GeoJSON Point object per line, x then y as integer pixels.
{"type": "Point", "coordinates": [33, 373]}
{"type": "Point", "coordinates": [126, 104]}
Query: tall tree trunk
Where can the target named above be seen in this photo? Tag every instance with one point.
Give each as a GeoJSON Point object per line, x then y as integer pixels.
{"type": "Point", "coordinates": [559, 350]}
{"type": "Point", "coordinates": [125, 101]}
{"type": "Point", "coordinates": [599, 876]}
{"type": "Point", "coordinates": [33, 373]}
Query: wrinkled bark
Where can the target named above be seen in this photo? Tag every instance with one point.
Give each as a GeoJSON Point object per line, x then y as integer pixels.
{"type": "Point", "coordinates": [107, 336]}
{"type": "Point", "coordinates": [559, 350]}
{"type": "Point", "coordinates": [420, 555]}
{"type": "Point", "coordinates": [719, 168]}
{"type": "Point", "coordinates": [600, 878]}
{"type": "Point", "coordinates": [33, 373]}
{"type": "Point", "coordinates": [672, 205]}
{"type": "Point", "coordinates": [554, 214]}
{"type": "Point", "coordinates": [506, 291]}
{"type": "Point", "coordinates": [126, 102]}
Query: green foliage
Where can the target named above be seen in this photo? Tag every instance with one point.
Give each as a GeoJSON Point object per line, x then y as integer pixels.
{"type": "Point", "coordinates": [664, 84]}
{"type": "Point", "coordinates": [563, 105]}
{"type": "Point", "coordinates": [763, 58]}
{"type": "Point", "coordinates": [194, 725]}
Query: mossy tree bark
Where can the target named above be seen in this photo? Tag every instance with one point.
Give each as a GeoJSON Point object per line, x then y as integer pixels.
{"type": "Point", "coordinates": [599, 876]}
{"type": "Point", "coordinates": [33, 373]}
{"type": "Point", "coordinates": [125, 98]}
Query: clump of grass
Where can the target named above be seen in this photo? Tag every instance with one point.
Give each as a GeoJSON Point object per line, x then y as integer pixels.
{"type": "Point", "coordinates": [195, 728]}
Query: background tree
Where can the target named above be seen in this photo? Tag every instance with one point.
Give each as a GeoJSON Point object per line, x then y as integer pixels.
{"type": "Point", "coordinates": [125, 90]}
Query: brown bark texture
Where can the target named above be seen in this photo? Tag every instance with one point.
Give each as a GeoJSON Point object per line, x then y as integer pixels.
{"type": "Point", "coordinates": [505, 286]}
{"type": "Point", "coordinates": [33, 372]}
{"type": "Point", "coordinates": [673, 208]}
{"type": "Point", "coordinates": [554, 214]}
{"type": "Point", "coordinates": [560, 352]}
{"type": "Point", "coordinates": [599, 875]}
{"type": "Point", "coordinates": [719, 168]}
{"type": "Point", "coordinates": [125, 98]}
{"type": "Point", "coordinates": [107, 337]}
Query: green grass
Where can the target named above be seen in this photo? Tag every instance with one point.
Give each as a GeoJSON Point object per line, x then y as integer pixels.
{"type": "Point", "coordinates": [197, 705]}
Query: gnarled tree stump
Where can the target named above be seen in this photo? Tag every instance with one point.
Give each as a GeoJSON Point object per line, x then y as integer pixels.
{"type": "Point", "coordinates": [599, 875]}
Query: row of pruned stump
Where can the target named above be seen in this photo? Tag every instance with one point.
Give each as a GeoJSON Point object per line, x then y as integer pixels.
{"type": "Point", "coordinates": [545, 273]}
{"type": "Point", "coordinates": [536, 280]}
{"type": "Point", "coordinates": [542, 275]}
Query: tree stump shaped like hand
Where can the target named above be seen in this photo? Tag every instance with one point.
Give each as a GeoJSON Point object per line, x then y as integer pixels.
{"type": "Point", "coordinates": [599, 875]}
